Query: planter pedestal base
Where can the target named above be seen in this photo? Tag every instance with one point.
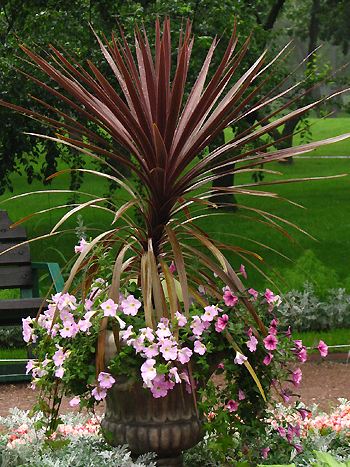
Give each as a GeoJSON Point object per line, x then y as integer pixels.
{"type": "Point", "coordinates": [171, 462]}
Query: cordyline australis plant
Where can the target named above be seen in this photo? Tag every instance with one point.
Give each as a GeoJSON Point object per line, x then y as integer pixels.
{"type": "Point", "coordinates": [164, 132]}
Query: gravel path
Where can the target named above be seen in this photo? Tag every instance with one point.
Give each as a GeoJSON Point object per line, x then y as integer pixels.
{"type": "Point", "coordinates": [323, 382]}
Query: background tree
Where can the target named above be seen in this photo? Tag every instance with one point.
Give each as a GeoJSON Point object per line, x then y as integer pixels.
{"type": "Point", "coordinates": [65, 24]}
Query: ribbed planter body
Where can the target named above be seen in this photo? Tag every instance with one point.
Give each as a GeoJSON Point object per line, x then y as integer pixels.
{"type": "Point", "coordinates": [166, 425]}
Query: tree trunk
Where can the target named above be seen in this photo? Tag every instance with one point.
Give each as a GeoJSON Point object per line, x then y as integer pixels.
{"type": "Point", "coordinates": [226, 201]}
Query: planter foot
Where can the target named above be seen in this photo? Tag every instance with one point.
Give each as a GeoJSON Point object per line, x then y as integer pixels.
{"type": "Point", "coordinates": [170, 462]}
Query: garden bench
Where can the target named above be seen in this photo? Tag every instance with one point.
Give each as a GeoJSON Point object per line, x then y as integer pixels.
{"type": "Point", "coordinates": [17, 271]}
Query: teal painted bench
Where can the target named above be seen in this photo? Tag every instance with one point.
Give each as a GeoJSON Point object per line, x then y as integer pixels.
{"type": "Point", "coordinates": [17, 271]}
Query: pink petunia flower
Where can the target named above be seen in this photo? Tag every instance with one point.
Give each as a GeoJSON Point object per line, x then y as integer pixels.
{"type": "Point", "coordinates": [109, 308]}
{"type": "Point", "coordinates": [252, 343]}
{"type": "Point", "coordinates": [59, 356]}
{"type": "Point", "coordinates": [267, 359]}
{"type": "Point", "coordinates": [151, 351]}
{"type": "Point", "coordinates": [148, 372]}
{"type": "Point", "coordinates": [221, 366]}
{"type": "Point", "coordinates": [105, 380]}
{"type": "Point", "coordinates": [243, 271]}
{"type": "Point", "coordinates": [59, 372]}
{"type": "Point", "coordinates": [297, 376]}
{"type": "Point", "coordinates": [28, 333]}
{"type": "Point", "coordinates": [240, 358]}
{"type": "Point", "coordinates": [197, 326]}
{"type": "Point", "coordinates": [81, 247]}
{"type": "Point", "coordinates": [69, 329]}
{"type": "Point", "coordinates": [302, 355]}
{"type": "Point", "coordinates": [159, 387]}
{"type": "Point", "coordinates": [173, 372]}
{"type": "Point", "coordinates": [253, 293]}
{"type": "Point", "coordinates": [181, 319]}
{"type": "Point", "coordinates": [221, 323]}
{"type": "Point", "coordinates": [75, 401]}
{"type": "Point", "coordinates": [265, 452]}
{"type": "Point", "coordinates": [131, 305]}
{"type": "Point", "coordinates": [229, 297]}
{"type": "Point", "coordinates": [99, 393]}
{"type": "Point", "coordinates": [210, 313]}
{"type": "Point", "coordinates": [168, 349]}
{"type": "Point", "coordinates": [241, 395]}
{"type": "Point", "coordinates": [199, 348]}
{"type": "Point", "coordinates": [323, 349]}
{"type": "Point", "coordinates": [184, 355]}
{"type": "Point", "coordinates": [172, 267]}
{"type": "Point", "coordinates": [270, 342]}
{"type": "Point", "coordinates": [232, 406]}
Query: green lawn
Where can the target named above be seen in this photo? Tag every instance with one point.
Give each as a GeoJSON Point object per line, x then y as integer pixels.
{"type": "Point", "coordinates": [326, 215]}
{"type": "Point", "coordinates": [332, 337]}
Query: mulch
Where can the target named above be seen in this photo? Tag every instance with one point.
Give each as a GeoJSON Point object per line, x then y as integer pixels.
{"type": "Point", "coordinates": [323, 383]}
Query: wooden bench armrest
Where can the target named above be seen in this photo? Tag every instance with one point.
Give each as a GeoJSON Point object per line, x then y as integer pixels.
{"type": "Point", "coordinates": [54, 271]}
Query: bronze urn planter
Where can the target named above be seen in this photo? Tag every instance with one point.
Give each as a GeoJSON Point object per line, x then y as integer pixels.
{"type": "Point", "coordinates": [166, 426]}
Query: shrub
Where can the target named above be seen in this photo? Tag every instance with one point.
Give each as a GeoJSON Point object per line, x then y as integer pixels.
{"type": "Point", "coordinates": [308, 312]}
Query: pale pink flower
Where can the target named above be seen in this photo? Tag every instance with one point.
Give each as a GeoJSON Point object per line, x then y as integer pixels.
{"type": "Point", "coordinates": [172, 267]}
{"type": "Point", "coordinates": [88, 304]}
{"type": "Point", "coordinates": [250, 332]}
{"type": "Point", "coordinates": [240, 358]}
{"type": "Point", "coordinates": [66, 316]}
{"type": "Point", "coordinates": [148, 372]}
{"type": "Point", "coordinates": [59, 372]}
{"type": "Point", "coordinates": [109, 308]}
{"type": "Point", "coordinates": [288, 332]}
{"type": "Point", "coordinates": [138, 344]}
{"type": "Point", "coordinates": [270, 342]}
{"type": "Point", "coordinates": [168, 349]}
{"type": "Point", "coordinates": [199, 348]}
{"type": "Point", "coordinates": [221, 323]}
{"type": "Point", "coordinates": [253, 293]}
{"type": "Point", "coordinates": [181, 319]}
{"type": "Point", "coordinates": [252, 343]}
{"type": "Point", "coordinates": [265, 452]}
{"type": "Point", "coordinates": [59, 356]}
{"type": "Point", "coordinates": [99, 393]}
{"type": "Point", "coordinates": [147, 333]}
{"type": "Point", "coordinates": [105, 380]}
{"type": "Point", "coordinates": [159, 387]}
{"type": "Point", "coordinates": [197, 326]}
{"type": "Point", "coordinates": [28, 333]}
{"type": "Point", "coordinates": [75, 401]}
{"type": "Point", "coordinates": [175, 375]}
{"type": "Point", "coordinates": [84, 325]}
{"type": "Point", "coordinates": [30, 365]}
{"type": "Point", "coordinates": [124, 335]}
{"type": "Point", "coordinates": [297, 376]}
{"type": "Point", "coordinates": [184, 355]}
{"type": "Point", "coordinates": [67, 301]}
{"type": "Point", "coordinates": [81, 247]}
{"type": "Point", "coordinates": [267, 359]}
{"type": "Point", "coordinates": [69, 329]}
{"type": "Point", "coordinates": [323, 349]}
{"type": "Point", "coordinates": [243, 271]}
{"type": "Point", "coordinates": [210, 313]}
{"type": "Point", "coordinates": [229, 297]}
{"type": "Point", "coordinates": [273, 330]}
{"type": "Point", "coordinates": [232, 406]}
{"type": "Point", "coordinates": [241, 395]}
{"type": "Point", "coordinates": [131, 305]}
{"type": "Point", "coordinates": [151, 351]}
